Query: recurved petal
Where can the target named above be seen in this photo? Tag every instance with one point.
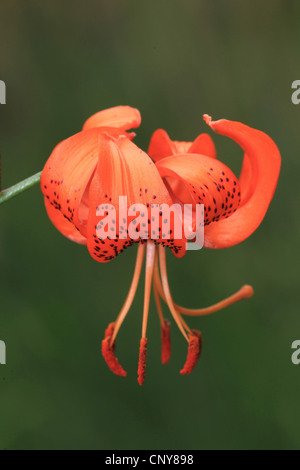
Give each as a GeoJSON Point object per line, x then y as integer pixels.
{"type": "Point", "coordinates": [125, 171]}
{"type": "Point", "coordinates": [66, 176]}
{"type": "Point", "coordinates": [63, 225]}
{"type": "Point", "coordinates": [203, 145]}
{"type": "Point", "coordinates": [120, 117]}
{"type": "Point", "coordinates": [197, 179]}
{"type": "Point", "coordinates": [247, 182]}
{"type": "Point", "coordinates": [162, 146]}
{"type": "Point", "coordinates": [259, 177]}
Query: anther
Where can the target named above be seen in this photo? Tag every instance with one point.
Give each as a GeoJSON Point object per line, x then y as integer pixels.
{"type": "Point", "coordinates": [109, 354]}
{"type": "Point", "coordinates": [194, 351]}
{"type": "Point", "coordinates": [165, 342]}
{"type": "Point", "coordinates": [142, 360]}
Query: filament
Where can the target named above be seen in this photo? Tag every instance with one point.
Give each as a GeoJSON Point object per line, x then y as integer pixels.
{"type": "Point", "coordinates": [150, 258]}
{"type": "Point", "coordinates": [132, 291]}
{"type": "Point", "coordinates": [167, 293]}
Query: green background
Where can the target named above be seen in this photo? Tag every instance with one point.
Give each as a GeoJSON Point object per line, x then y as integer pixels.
{"type": "Point", "coordinates": [173, 60]}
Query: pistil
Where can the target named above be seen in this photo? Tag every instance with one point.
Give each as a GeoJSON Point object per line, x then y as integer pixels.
{"type": "Point", "coordinates": [244, 292]}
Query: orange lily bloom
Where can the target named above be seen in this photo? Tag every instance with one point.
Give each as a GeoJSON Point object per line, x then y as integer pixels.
{"type": "Point", "coordinates": [87, 173]}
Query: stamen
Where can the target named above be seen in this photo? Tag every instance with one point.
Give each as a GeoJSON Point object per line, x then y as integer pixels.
{"type": "Point", "coordinates": [165, 324]}
{"type": "Point", "coordinates": [108, 352]}
{"type": "Point", "coordinates": [165, 342]}
{"type": "Point", "coordinates": [184, 324]}
{"type": "Point", "coordinates": [157, 282]}
{"type": "Point", "coordinates": [244, 293]}
{"type": "Point", "coordinates": [150, 258]}
{"type": "Point", "coordinates": [132, 291]}
{"type": "Point", "coordinates": [157, 298]}
{"type": "Point", "coordinates": [109, 330]}
{"type": "Point", "coordinates": [142, 360]}
{"type": "Point", "coordinates": [194, 351]}
{"type": "Point", "coordinates": [167, 293]}
{"type": "Point", "coordinates": [158, 289]}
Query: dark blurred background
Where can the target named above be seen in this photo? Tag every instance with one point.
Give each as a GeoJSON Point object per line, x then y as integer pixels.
{"type": "Point", "coordinates": [173, 60]}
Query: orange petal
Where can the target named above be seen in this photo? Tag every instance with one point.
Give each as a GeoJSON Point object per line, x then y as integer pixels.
{"type": "Point", "coordinates": [66, 176]}
{"type": "Point", "coordinates": [246, 180]}
{"type": "Point", "coordinates": [162, 146]}
{"type": "Point", "coordinates": [198, 179]}
{"type": "Point", "coordinates": [63, 225]}
{"type": "Point", "coordinates": [124, 170]}
{"type": "Point", "coordinates": [203, 145]}
{"type": "Point", "coordinates": [259, 180]}
{"type": "Point", "coordinates": [121, 117]}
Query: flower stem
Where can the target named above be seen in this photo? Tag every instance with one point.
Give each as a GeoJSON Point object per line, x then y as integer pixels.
{"type": "Point", "coordinates": [18, 188]}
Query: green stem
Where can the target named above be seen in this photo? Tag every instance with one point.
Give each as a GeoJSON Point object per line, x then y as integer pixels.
{"type": "Point", "coordinates": [19, 187]}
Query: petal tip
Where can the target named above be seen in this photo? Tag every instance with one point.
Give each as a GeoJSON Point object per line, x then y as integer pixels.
{"type": "Point", "coordinates": [207, 119]}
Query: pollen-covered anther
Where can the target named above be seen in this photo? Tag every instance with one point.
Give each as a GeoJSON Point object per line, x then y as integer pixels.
{"type": "Point", "coordinates": [165, 342]}
{"type": "Point", "coordinates": [194, 351]}
{"type": "Point", "coordinates": [142, 360]}
{"type": "Point", "coordinates": [108, 352]}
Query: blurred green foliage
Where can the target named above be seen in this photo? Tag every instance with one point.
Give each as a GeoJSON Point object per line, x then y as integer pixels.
{"type": "Point", "coordinates": [174, 60]}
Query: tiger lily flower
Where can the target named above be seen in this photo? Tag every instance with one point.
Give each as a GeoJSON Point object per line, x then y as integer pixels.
{"type": "Point", "coordinates": [87, 173]}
